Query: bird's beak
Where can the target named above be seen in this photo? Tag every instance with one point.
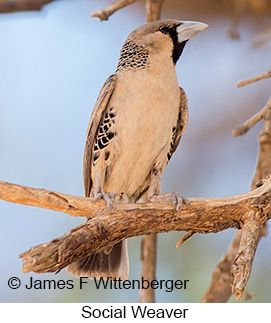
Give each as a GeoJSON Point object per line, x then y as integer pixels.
{"type": "Point", "coordinates": [189, 29]}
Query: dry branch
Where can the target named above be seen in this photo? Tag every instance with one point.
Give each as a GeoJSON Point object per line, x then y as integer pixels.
{"type": "Point", "coordinates": [184, 238]}
{"type": "Point", "coordinates": [103, 229]}
{"type": "Point", "coordinates": [241, 267]}
{"type": "Point", "coordinates": [265, 75]}
{"type": "Point", "coordinates": [7, 6]}
{"type": "Point", "coordinates": [238, 259]}
{"type": "Point", "coordinates": [73, 205]}
{"type": "Point", "coordinates": [247, 125]}
{"type": "Point", "coordinates": [104, 14]}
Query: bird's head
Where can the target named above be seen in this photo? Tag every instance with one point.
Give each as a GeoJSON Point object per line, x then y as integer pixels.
{"type": "Point", "coordinates": [167, 36]}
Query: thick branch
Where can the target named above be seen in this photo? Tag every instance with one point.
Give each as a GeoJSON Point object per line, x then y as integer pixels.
{"type": "Point", "coordinates": [104, 14]}
{"type": "Point", "coordinates": [7, 6]}
{"type": "Point", "coordinates": [125, 221]}
{"type": "Point", "coordinates": [220, 287]}
{"type": "Point", "coordinates": [241, 267]}
{"type": "Point", "coordinates": [73, 205]}
{"type": "Point", "coordinates": [223, 283]}
{"type": "Point", "coordinates": [193, 218]}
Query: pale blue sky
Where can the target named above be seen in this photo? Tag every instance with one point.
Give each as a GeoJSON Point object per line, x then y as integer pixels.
{"type": "Point", "coordinates": [53, 64]}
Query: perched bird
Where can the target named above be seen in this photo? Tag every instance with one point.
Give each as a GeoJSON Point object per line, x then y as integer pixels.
{"type": "Point", "coordinates": [136, 125]}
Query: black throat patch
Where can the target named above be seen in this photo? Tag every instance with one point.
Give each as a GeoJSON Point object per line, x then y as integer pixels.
{"type": "Point", "coordinates": [177, 47]}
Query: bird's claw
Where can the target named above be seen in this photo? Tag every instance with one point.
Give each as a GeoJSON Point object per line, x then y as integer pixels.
{"type": "Point", "coordinates": [177, 199]}
{"type": "Point", "coordinates": [109, 198]}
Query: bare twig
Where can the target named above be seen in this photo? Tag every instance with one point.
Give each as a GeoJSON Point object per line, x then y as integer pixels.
{"type": "Point", "coordinates": [220, 288]}
{"type": "Point", "coordinates": [7, 6]}
{"type": "Point", "coordinates": [186, 237]}
{"type": "Point", "coordinates": [247, 125]}
{"type": "Point", "coordinates": [104, 14]}
{"type": "Point", "coordinates": [255, 79]}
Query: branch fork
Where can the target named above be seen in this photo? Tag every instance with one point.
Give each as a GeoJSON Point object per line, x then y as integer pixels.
{"type": "Point", "coordinates": [103, 229]}
{"type": "Point", "coordinates": [232, 272]}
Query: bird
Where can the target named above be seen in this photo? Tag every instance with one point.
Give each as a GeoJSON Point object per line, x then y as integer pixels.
{"type": "Point", "coordinates": [135, 127]}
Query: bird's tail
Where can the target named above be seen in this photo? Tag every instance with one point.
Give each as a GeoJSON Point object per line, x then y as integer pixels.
{"type": "Point", "coordinates": [112, 264]}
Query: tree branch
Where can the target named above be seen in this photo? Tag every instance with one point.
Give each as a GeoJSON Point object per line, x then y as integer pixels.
{"type": "Point", "coordinates": [241, 267]}
{"type": "Point", "coordinates": [102, 229]}
{"type": "Point", "coordinates": [238, 259]}
{"type": "Point", "coordinates": [192, 218]}
{"type": "Point", "coordinates": [8, 6]}
{"type": "Point", "coordinates": [104, 14]}
{"type": "Point", "coordinates": [73, 205]}
{"type": "Point", "coordinates": [247, 125]}
{"type": "Point", "coordinates": [255, 79]}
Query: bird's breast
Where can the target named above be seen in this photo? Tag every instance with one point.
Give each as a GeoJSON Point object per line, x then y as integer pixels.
{"type": "Point", "coordinates": [146, 107]}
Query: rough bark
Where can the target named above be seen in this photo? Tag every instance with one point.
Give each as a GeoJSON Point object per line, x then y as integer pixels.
{"type": "Point", "coordinates": [103, 229]}
{"type": "Point", "coordinates": [240, 254]}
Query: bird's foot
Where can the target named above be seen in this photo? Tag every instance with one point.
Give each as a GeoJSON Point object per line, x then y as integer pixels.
{"type": "Point", "coordinates": [109, 198]}
{"type": "Point", "coordinates": [177, 199]}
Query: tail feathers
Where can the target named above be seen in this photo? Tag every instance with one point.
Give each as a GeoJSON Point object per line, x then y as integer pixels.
{"type": "Point", "coordinates": [114, 264]}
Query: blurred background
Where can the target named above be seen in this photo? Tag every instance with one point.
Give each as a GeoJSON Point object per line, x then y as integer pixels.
{"type": "Point", "coordinates": [53, 63]}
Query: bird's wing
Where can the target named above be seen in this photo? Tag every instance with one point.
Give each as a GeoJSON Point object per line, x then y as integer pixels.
{"type": "Point", "coordinates": [182, 121]}
{"type": "Point", "coordinates": [96, 117]}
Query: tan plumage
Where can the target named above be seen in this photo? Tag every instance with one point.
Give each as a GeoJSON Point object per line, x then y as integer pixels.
{"type": "Point", "coordinates": [135, 127]}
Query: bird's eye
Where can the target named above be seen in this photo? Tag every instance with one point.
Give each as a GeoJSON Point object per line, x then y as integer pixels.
{"type": "Point", "coordinates": [164, 30]}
